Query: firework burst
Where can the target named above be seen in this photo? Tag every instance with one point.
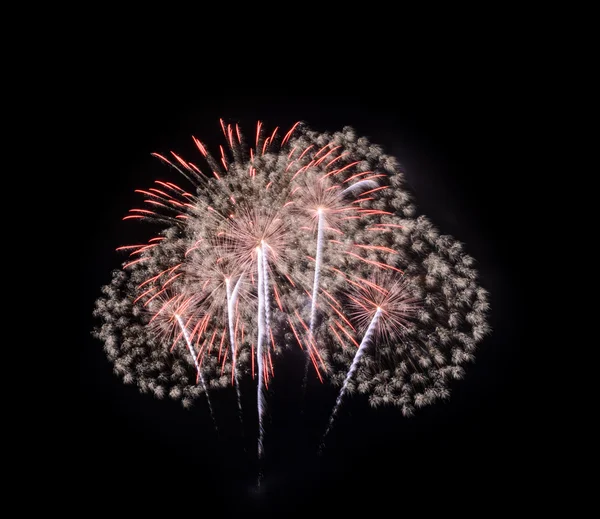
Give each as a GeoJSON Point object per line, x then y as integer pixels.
{"type": "Point", "coordinates": [291, 240]}
{"type": "Point", "coordinates": [390, 296]}
{"type": "Point", "coordinates": [325, 206]}
{"type": "Point", "coordinates": [383, 307]}
{"type": "Point", "coordinates": [217, 286]}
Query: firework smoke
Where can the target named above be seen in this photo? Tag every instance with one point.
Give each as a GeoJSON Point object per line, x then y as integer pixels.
{"type": "Point", "coordinates": [265, 244]}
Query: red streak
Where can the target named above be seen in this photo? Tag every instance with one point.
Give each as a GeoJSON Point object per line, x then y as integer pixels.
{"type": "Point", "coordinates": [134, 262]}
{"type": "Point", "coordinates": [338, 337]}
{"type": "Point", "coordinates": [258, 125]}
{"type": "Point", "coordinates": [336, 171]}
{"type": "Point", "coordinates": [277, 297]}
{"type": "Point", "coordinates": [265, 145]}
{"type": "Point", "coordinates": [289, 134]}
{"type": "Point", "coordinates": [347, 333]}
{"type": "Point", "coordinates": [200, 146]}
{"type": "Point", "coordinates": [326, 154]}
{"type": "Point", "coordinates": [144, 294]}
{"type": "Point", "coordinates": [376, 189]}
{"type": "Point", "coordinates": [305, 151]}
{"type": "Point", "coordinates": [295, 334]}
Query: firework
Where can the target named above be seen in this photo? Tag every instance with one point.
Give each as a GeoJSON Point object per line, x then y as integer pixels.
{"type": "Point", "coordinates": [327, 204]}
{"type": "Point", "coordinates": [169, 316]}
{"type": "Point", "coordinates": [221, 282]}
{"type": "Point", "coordinates": [384, 306]}
{"type": "Point", "coordinates": [278, 242]}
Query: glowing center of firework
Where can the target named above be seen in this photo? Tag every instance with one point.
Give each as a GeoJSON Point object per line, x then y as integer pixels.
{"type": "Point", "coordinates": [319, 210]}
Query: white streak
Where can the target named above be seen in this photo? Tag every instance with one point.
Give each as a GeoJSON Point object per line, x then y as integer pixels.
{"type": "Point", "coordinates": [313, 307]}
{"type": "Point", "coordinates": [266, 291]}
{"type": "Point", "coordinates": [360, 185]}
{"type": "Point", "coordinates": [188, 341]}
{"type": "Point", "coordinates": [361, 351]}
{"type": "Point", "coordinates": [231, 299]}
{"type": "Point", "coordinates": [236, 290]}
{"type": "Point", "coordinates": [318, 260]}
{"type": "Point", "coordinates": [259, 351]}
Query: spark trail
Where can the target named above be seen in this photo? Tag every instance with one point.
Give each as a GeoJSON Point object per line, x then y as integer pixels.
{"type": "Point", "coordinates": [318, 260]}
{"type": "Point", "coordinates": [188, 341]}
{"type": "Point", "coordinates": [315, 291]}
{"type": "Point", "coordinates": [231, 301]}
{"type": "Point", "coordinates": [267, 302]}
{"type": "Point", "coordinates": [260, 396]}
{"type": "Point", "coordinates": [360, 352]}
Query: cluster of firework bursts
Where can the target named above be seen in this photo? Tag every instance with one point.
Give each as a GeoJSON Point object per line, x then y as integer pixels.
{"type": "Point", "coordinates": [298, 240]}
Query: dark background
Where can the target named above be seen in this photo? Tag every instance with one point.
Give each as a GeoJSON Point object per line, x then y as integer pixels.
{"type": "Point", "coordinates": [457, 145]}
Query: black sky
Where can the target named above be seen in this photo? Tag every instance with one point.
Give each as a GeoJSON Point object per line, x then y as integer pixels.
{"type": "Point", "coordinates": [455, 146]}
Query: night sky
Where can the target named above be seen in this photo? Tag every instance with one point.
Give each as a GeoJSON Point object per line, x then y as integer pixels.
{"type": "Point", "coordinates": [467, 454]}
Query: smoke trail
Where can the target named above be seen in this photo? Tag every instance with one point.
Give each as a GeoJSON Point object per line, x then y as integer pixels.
{"type": "Point", "coordinates": [259, 353]}
{"type": "Point", "coordinates": [313, 308]}
{"type": "Point", "coordinates": [361, 350]}
{"type": "Point", "coordinates": [231, 300]}
{"type": "Point", "coordinates": [188, 341]}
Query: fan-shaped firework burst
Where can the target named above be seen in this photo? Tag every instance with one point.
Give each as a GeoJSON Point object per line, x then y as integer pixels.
{"type": "Point", "coordinates": [382, 307]}
{"type": "Point", "coordinates": [309, 240]}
